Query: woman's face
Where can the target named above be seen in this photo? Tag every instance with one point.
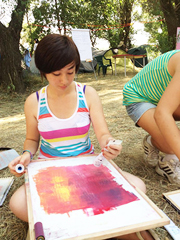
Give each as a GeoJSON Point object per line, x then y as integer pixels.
{"type": "Point", "coordinates": [62, 78]}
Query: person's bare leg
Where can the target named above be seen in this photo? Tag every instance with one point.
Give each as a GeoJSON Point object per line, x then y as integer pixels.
{"type": "Point", "coordinates": [147, 122]}
{"type": "Point", "coordinates": [135, 181]}
{"type": "Point", "coordinates": [176, 114]}
{"type": "Point", "coordinates": [18, 203]}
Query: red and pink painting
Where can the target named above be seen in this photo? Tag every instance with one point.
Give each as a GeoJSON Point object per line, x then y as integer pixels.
{"type": "Point", "coordinates": [65, 189]}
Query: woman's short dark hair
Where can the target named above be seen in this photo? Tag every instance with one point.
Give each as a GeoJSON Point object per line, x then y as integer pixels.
{"type": "Point", "coordinates": [54, 52]}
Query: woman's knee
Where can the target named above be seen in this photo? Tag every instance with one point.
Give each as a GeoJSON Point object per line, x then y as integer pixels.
{"type": "Point", "coordinates": [135, 181]}
{"type": "Point", "coordinates": [18, 203]}
{"type": "Point", "coordinates": [176, 114]}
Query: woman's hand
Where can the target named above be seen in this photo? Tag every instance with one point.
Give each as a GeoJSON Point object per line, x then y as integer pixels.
{"type": "Point", "coordinates": [111, 151]}
{"type": "Point", "coordinates": [23, 159]}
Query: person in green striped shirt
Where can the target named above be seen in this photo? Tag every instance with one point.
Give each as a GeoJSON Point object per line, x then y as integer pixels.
{"type": "Point", "coordinates": [152, 101]}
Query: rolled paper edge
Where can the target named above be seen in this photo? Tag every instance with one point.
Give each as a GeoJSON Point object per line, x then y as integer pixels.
{"type": "Point", "coordinates": [38, 228]}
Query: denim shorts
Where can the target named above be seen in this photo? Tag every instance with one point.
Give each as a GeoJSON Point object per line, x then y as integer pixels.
{"type": "Point", "coordinates": [136, 110]}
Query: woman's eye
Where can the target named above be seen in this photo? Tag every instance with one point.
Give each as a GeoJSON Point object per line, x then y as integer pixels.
{"type": "Point", "coordinates": [70, 73]}
{"type": "Point", "coordinates": [56, 74]}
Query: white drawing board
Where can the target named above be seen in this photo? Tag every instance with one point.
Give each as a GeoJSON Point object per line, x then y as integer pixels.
{"type": "Point", "coordinates": [81, 37]}
{"type": "Point", "coordinates": [76, 200]}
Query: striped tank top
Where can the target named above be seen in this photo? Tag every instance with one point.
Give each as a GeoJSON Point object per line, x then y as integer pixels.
{"type": "Point", "coordinates": [64, 137]}
{"type": "Point", "coordinates": [150, 83]}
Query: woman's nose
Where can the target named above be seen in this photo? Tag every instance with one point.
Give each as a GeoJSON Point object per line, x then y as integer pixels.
{"type": "Point", "coordinates": [63, 78]}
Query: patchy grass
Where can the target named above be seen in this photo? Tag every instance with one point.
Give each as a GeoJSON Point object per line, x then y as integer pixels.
{"type": "Point", "coordinates": [109, 88]}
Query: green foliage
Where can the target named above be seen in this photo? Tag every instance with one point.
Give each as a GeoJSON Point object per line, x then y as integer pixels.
{"type": "Point", "coordinates": [166, 43]}
{"type": "Point", "coordinates": [159, 36]}
{"type": "Point", "coordinates": [119, 20]}
{"type": "Point", "coordinates": [164, 19]}
{"type": "Point", "coordinates": [107, 19]}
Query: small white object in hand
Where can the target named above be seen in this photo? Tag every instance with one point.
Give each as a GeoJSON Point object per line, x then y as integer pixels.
{"type": "Point", "coordinates": [19, 168]}
{"type": "Point", "coordinates": [99, 159]}
{"type": "Point", "coordinates": [114, 142]}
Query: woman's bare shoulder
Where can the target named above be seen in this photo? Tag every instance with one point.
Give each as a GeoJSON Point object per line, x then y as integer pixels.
{"type": "Point", "coordinates": [31, 103]}
{"type": "Point", "coordinates": [90, 90]}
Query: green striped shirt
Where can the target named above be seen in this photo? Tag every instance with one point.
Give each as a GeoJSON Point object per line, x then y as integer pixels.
{"type": "Point", "coordinates": [150, 83]}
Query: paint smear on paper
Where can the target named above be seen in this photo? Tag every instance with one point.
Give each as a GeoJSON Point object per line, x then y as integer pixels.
{"type": "Point", "coordinates": [65, 189]}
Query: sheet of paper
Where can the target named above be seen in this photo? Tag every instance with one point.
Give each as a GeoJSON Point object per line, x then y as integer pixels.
{"type": "Point", "coordinates": [6, 157]}
{"type": "Point", "coordinates": [5, 185]}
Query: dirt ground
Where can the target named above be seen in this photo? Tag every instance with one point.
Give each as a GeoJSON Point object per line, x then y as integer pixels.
{"type": "Point", "coordinates": [109, 88]}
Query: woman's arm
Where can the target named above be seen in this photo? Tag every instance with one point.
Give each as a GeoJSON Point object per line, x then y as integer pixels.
{"type": "Point", "coordinates": [167, 106]}
{"type": "Point", "coordinates": [99, 123]}
{"type": "Point", "coordinates": [32, 134]}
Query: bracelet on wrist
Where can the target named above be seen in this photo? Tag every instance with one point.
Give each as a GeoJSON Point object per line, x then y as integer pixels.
{"type": "Point", "coordinates": [31, 155]}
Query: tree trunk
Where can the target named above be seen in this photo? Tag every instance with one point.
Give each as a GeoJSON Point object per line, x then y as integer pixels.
{"type": "Point", "coordinates": [126, 11]}
{"type": "Point", "coordinates": [10, 60]}
{"type": "Point", "coordinates": [171, 17]}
